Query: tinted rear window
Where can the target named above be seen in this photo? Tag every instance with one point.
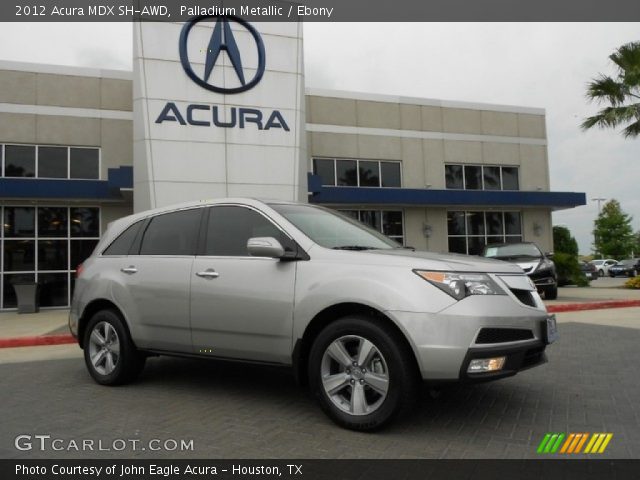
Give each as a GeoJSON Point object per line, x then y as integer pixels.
{"type": "Point", "coordinates": [172, 233]}
{"type": "Point", "coordinates": [122, 244]}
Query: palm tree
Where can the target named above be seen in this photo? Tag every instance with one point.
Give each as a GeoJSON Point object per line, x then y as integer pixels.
{"type": "Point", "coordinates": [621, 92]}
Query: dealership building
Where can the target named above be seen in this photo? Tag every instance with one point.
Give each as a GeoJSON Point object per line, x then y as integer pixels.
{"type": "Point", "coordinates": [217, 107]}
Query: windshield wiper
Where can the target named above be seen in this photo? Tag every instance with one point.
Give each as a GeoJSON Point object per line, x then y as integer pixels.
{"type": "Point", "coordinates": [354, 247]}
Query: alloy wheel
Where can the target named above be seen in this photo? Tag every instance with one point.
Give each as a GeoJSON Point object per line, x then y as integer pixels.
{"type": "Point", "coordinates": [104, 348]}
{"type": "Point", "coordinates": [354, 375]}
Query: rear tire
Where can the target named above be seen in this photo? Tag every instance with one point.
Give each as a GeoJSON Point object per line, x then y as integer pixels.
{"type": "Point", "coordinates": [361, 373]}
{"type": "Point", "coordinates": [110, 355]}
{"type": "Point", "coordinates": [551, 293]}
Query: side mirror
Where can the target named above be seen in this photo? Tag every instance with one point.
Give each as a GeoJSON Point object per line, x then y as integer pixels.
{"type": "Point", "coordinates": [265, 247]}
{"type": "Point", "coordinates": [549, 254]}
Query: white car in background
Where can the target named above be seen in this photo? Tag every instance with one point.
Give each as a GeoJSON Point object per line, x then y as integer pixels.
{"type": "Point", "coordinates": [603, 265]}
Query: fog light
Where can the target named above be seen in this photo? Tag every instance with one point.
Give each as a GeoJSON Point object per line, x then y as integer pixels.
{"type": "Point", "coordinates": [486, 365]}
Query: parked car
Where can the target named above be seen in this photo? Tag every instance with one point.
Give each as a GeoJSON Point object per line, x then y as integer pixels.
{"type": "Point", "coordinates": [629, 267]}
{"type": "Point", "coordinates": [537, 265]}
{"type": "Point", "coordinates": [589, 270]}
{"type": "Point", "coordinates": [358, 317]}
{"type": "Point", "coordinates": [603, 265]}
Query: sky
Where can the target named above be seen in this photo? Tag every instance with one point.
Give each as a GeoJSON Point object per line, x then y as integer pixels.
{"type": "Point", "coordinates": [543, 65]}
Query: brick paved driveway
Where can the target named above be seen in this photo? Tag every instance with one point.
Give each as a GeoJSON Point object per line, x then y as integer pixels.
{"type": "Point", "coordinates": [235, 411]}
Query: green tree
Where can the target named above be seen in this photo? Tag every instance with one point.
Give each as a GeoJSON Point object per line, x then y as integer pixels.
{"type": "Point", "coordinates": [565, 256]}
{"type": "Point", "coordinates": [613, 233]}
{"type": "Point", "coordinates": [621, 92]}
{"type": "Point", "coordinates": [564, 242]}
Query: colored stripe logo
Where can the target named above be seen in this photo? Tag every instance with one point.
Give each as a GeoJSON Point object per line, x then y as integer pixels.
{"type": "Point", "coordinates": [573, 443]}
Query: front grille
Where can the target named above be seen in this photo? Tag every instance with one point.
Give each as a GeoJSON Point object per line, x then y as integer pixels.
{"type": "Point", "coordinates": [524, 296]}
{"type": "Point", "coordinates": [503, 335]}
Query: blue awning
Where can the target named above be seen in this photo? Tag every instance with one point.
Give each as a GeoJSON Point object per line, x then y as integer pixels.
{"type": "Point", "coordinates": [45, 188]}
{"type": "Point", "coordinates": [428, 197]}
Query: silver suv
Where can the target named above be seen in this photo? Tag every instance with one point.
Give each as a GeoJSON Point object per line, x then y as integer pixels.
{"type": "Point", "coordinates": [360, 319]}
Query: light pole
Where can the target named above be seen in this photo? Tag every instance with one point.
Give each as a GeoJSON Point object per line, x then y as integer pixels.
{"type": "Point", "coordinates": [595, 237]}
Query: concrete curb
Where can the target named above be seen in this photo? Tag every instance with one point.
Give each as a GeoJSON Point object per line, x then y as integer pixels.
{"type": "Point", "coordinates": [577, 307]}
{"type": "Point", "coordinates": [67, 339]}
{"type": "Point", "coordinates": [36, 341]}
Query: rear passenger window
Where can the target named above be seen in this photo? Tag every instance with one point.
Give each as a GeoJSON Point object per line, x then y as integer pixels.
{"type": "Point", "coordinates": [172, 234]}
{"type": "Point", "coordinates": [122, 244]}
{"type": "Point", "coordinates": [230, 228]}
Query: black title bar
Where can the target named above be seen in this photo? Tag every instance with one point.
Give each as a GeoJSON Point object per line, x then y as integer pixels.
{"type": "Point", "coordinates": [321, 10]}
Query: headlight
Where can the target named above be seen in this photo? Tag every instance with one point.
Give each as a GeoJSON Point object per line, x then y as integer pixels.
{"type": "Point", "coordinates": [461, 285]}
{"type": "Point", "coordinates": [544, 264]}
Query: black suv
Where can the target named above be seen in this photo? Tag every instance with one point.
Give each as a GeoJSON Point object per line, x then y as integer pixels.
{"type": "Point", "coordinates": [530, 258]}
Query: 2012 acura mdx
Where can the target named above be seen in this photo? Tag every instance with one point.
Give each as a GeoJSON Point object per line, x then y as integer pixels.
{"type": "Point", "coordinates": [360, 319]}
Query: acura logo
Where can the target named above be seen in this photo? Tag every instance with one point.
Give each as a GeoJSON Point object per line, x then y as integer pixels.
{"type": "Point", "coordinates": [221, 39]}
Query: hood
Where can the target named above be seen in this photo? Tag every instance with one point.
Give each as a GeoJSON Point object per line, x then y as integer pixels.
{"type": "Point", "coordinates": [446, 261]}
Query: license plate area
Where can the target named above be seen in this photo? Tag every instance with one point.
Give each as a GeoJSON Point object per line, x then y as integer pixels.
{"type": "Point", "coordinates": [550, 329]}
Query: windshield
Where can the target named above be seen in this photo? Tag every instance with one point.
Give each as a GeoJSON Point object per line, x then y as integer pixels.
{"type": "Point", "coordinates": [332, 229]}
{"type": "Point", "coordinates": [625, 263]}
{"type": "Point", "coordinates": [513, 250]}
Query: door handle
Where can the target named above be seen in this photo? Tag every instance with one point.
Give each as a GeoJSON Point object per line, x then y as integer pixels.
{"type": "Point", "coordinates": [130, 270]}
{"type": "Point", "coordinates": [208, 274]}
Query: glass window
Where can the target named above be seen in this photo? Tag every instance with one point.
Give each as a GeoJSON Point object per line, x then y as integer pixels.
{"type": "Point", "coordinates": [472, 177]}
{"type": "Point", "coordinates": [391, 174]}
{"type": "Point", "coordinates": [371, 218]}
{"type": "Point", "coordinates": [392, 224]}
{"type": "Point", "coordinates": [85, 222]}
{"type": "Point", "coordinates": [476, 245]}
{"type": "Point", "coordinates": [482, 228]}
{"type": "Point", "coordinates": [510, 178]}
{"type": "Point", "coordinates": [475, 223]}
{"type": "Point", "coordinates": [19, 161]}
{"type": "Point", "coordinates": [453, 176]}
{"type": "Point", "coordinates": [52, 222]}
{"type": "Point", "coordinates": [351, 213]}
{"type": "Point", "coordinates": [458, 245]}
{"type": "Point", "coordinates": [52, 162]}
{"type": "Point", "coordinates": [85, 163]}
{"type": "Point", "coordinates": [52, 255]}
{"type": "Point", "coordinates": [325, 169]}
{"type": "Point", "coordinates": [19, 222]}
{"type": "Point", "coordinates": [8, 292]}
{"type": "Point", "coordinates": [494, 223]}
{"type": "Point", "coordinates": [172, 233]}
{"type": "Point", "coordinates": [512, 223]}
{"type": "Point", "coordinates": [346, 173]}
{"type": "Point", "coordinates": [80, 250]}
{"type": "Point", "coordinates": [230, 228]}
{"type": "Point", "coordinates": [122, 244]}
{"type": "Point", "coordinates": [456, 223]}
{"type": "Point", "coordinates": [369, 175]}
{"type": "Point", "coordinates": [53, 289]}
{"type": "Point", "coordinates": [491, 240]}
{"type": "Point", "coordinates": [491, 176]}
{"type": "Point", "coordinates": [19, 255]}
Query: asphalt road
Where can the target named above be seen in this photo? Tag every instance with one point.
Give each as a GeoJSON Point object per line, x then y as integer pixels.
{"type": "Point", "coordinates": [239, 411]}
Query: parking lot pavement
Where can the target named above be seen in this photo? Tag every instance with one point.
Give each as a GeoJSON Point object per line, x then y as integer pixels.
{"type": "Point", "coordinates": [239, 411]}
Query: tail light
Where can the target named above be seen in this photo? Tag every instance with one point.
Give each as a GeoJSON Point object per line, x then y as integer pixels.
{"type": "Point", "coordinates": [79, 270]}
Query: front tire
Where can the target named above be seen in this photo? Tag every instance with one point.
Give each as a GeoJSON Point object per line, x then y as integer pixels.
{"type": "Point", "coordinates": [601, 273]}
{"type": "Point", "coordinates": [361, 373]}
{"type": "Point", "coordinates": [110, 355]}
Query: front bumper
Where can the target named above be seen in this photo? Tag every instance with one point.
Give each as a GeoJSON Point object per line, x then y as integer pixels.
{"type": "Point", "coordinates": [445, 342]}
